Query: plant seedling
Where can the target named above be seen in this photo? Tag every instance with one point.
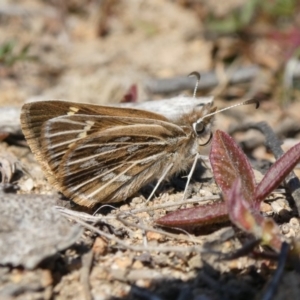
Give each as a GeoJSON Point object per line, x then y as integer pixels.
{"type": "Point", "coordinates": [242, 196]}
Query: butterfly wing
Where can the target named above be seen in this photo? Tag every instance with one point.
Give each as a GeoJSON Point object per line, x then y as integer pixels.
{"type": "Point", "coordinates": [35, 114]}
{"type": "Point", "coordinates": [109, 163]}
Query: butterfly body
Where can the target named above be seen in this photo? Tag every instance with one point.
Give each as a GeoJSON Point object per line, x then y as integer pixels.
{"type": "Point", "coordinates": [100, 154]}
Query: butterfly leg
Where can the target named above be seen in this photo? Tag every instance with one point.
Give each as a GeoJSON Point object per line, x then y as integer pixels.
{"type": "Point", "coordinates": [160, 180]}
{"type": "Point", "coordinates": [190, 176]}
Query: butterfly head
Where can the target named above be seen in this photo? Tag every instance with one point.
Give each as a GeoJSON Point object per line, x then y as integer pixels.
{"type": "Point", "coordinates": [203, 125]}
{"type": "Point", "coordinates": [203, 122]}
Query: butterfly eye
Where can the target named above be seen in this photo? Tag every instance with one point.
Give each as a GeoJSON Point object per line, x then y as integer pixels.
{"type": "Point", "coordinates": [199, 128]}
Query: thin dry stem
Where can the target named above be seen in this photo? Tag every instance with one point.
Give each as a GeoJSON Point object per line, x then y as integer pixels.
{"type": "Point", "coordinates": [139, 248]}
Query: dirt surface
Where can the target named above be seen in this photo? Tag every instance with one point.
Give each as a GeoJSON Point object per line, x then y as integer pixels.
{"type": "Point", "coordinates": [94, 51]}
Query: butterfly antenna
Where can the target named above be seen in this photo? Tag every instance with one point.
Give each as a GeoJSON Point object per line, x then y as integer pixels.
{"type": "Point", "coordinates": [198, 76]}
{"type": "Point", "coordinates": [246, 102]}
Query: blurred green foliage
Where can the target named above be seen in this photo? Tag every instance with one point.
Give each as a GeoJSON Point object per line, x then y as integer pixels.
{"type": "Point", "coordinates": [9, 56]}
{"type": "Point", "coordinates": [241, 18]}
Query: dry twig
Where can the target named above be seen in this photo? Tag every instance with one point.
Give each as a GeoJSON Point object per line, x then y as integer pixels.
{"type": "Point", "coordinates": [87, 260]}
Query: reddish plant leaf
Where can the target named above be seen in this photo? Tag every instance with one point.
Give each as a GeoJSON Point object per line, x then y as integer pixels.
{"type": "Point", "coordinates": [230, 163]}
{"type": "Point", "coordinates": [240, 212]}
{"type": "Point", "coordinates": [131, 95]}
{"type": "Point", "coordinates": [243, 216]}
{"type": "Point", "coordinates": [270, 234]}
{"type": "Point", "coordinates": [276, 174]}
{"type": "Point", "coordinates": [196, 216]}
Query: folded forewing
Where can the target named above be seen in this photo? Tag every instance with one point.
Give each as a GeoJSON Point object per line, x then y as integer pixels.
{"type": "Point", "coordinates": [112, 165]}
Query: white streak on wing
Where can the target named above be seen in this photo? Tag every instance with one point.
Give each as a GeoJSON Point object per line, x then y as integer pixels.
{"type": "Point", "coordinates": [67, 121]}
{"type": "Point", "coordinates": [87, 125]}
{"type": "Point", "coordinates": [98, 174]}
{"type": "Point", "coordinates": [102, 149]}
{"type": "Point", "coordinates": [56, 154]}
{"type": "Point", "coordinates": [105, 150]}
{"type": "Point", "coordinates": [97, 191]}
{"type": "Point", "coordinates": [76, 187]}
{"type": "Point", "coordinates": [88, 164]}
{"type": "Point", "coordinates": [133, 164]}
{"type": "Point", "coordinates": [123, 178]}
{"type": "Point", "coordinates": [172, 141]}
{"type": "Point", "coordinates": [63, 133]}
{"type": "Point", "coordinates": [104, 171]}
{"type": "Point", "coordinates": [68, 142]}
{"type": "Point", "coordinates": [122, 139]}
{"type": "Point", "coordinates": [150, 158]}
{"type": "Point", "coordinates": [84, 146]}
{"type": "Point", "coordinates": [83, 159]}
{"type": "Point", "coordinates": [133, 148]}
{"type": "Point", "coordinates": [108, 176]}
